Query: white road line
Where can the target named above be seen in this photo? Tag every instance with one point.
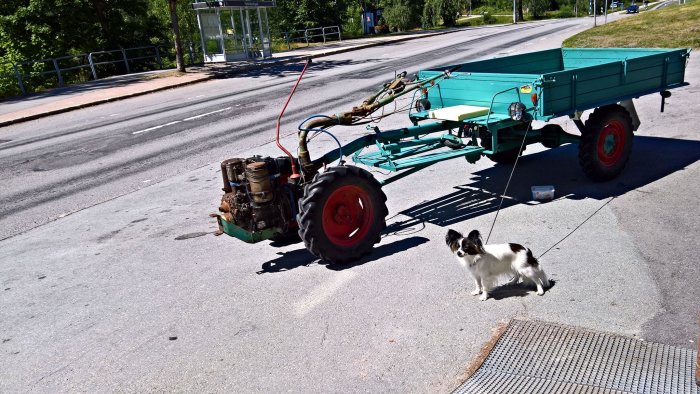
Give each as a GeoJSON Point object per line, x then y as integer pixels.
{"type": "Point", "coordinates": [207, 114]}
{"type": "Point", "coordinates": [178, 121]}
{"type": "Point", "coordinates": [155, 127]}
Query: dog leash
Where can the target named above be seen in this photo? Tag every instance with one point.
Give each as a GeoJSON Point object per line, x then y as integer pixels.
{"type": "Point", "coordinates": [503, 196]}
{"type": "Point", "coordinates": [577, 227]}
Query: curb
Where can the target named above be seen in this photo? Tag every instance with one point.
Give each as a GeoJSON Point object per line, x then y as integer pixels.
{"type": "Point", "coordinates": [238, 70]}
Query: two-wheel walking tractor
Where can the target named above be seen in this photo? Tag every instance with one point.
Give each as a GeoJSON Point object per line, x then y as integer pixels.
{"type": "Point", "coordinates": [470, 110]}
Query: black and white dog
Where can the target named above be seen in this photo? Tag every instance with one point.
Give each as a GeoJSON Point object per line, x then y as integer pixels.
{"type": "Point", "coordinates": [488, 262]}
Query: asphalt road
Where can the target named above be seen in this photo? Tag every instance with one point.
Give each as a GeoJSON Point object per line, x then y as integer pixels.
{"type": "Point", "coordinates": [113, 281]}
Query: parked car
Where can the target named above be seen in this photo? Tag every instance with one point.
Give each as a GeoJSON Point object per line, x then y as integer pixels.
{"type": "Point", "coordinates": [617, 4]}
{"type": "Point", "coordinates": [633, 9]}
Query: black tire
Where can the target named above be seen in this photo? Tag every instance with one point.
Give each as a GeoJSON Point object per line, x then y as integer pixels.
{"type": "Point", "coordinates": [550, 135]}
{"type": "Point", "coordinates": [606, 143]}
{"type": "Point", "coordinates": [342, 214]}
{"type": "Point", "coordinates": [506, 157]}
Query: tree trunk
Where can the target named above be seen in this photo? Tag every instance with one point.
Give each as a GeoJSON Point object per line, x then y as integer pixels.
{"type": "Point", "coordinates": [101, 14]}
{"type": "Point", "coordinates": [176, 34]}
{"type": "Point", "coordinates": [520, 11]}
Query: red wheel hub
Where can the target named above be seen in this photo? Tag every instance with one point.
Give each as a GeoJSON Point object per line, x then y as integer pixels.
{"type": "Point", "coordinates": [347, 215]}
{"type": "Point", "coordinates": [611, 143]}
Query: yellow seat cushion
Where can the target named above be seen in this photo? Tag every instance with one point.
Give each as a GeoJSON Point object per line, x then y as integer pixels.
{"type": "Point", "coordinates": [458, 113]}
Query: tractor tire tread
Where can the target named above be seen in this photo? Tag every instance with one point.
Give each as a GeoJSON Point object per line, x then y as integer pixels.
{"type": "Point", "coordinates": [308, 215]}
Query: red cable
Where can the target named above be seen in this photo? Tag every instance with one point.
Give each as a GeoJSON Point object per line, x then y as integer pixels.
{"type": "Point", "coordinates": [295, 172]}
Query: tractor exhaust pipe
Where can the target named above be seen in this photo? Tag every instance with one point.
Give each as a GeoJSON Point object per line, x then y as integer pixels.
{"type": "Point", "coordinates": [295, 172]}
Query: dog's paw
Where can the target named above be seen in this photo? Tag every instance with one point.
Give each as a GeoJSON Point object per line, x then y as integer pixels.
{"type": "Point", "coordinates": [540, 292]}
{"type": "Point", "coordinates": [476, 292]}
{"type": "Point", "coordinates": [483, 297]}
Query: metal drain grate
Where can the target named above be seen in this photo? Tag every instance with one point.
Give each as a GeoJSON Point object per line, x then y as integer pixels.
{"type": "Point", "coordinates": [536, 357]}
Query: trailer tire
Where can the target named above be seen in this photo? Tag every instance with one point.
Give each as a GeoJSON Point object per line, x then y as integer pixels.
{"type": "Point", "coordinates": [342, 214]}
{"type": "Point", "coordinates": [606, 143]}
{"type": "Point", "coordinates": [507, 157]}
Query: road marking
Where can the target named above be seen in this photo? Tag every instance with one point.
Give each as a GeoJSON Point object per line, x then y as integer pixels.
{"type": "Point", "coordinates": [207, 114]}
{"type": "Point", "coordinates": [178, 121]}
{"type": "Point", "coordinates": [155, 127]}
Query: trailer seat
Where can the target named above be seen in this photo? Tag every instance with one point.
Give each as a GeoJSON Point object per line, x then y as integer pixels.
{"type": "Point", "coordinates": [458, 113]}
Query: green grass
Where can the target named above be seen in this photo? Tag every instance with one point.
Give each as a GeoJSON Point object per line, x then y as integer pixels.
{"type": "Point", "coordinates": [676, 26]}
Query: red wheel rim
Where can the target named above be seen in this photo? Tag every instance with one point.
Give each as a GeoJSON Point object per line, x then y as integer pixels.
{"type": "Point", "coordinates": [347, 215]}
{"type": "Point", "coordinates": [611, 143]}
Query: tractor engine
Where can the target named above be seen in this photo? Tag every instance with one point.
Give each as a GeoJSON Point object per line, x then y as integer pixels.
{"type": "Point", "coordinates": [258, 200]}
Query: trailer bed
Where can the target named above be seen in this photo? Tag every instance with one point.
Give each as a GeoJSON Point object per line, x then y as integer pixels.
{"type": "Point", "coordinates": [564, 81]}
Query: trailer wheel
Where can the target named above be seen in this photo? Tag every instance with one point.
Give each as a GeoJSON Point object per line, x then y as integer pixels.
{"type": "Point", "coordinates": [342, 214]}
{"type": "Point", "coordinates": [606, 143]}
{"type": "Point", "coordinates": [506, 157]}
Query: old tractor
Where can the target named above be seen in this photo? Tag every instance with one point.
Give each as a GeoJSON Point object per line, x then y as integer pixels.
{"type": "Point", "coordinates": [470, 110]}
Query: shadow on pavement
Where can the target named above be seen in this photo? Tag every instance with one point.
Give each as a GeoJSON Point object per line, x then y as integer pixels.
{"type": "Point", "coordinates": [521, 289]}
{"type": "Point", "coordinates": [283, 70]}
{"type": "Point", "coordinates": [110, 82]}
{"type": "Point", "coordinates": [303, 258]}
{"type": "Point", "coordinates": [652, 159]}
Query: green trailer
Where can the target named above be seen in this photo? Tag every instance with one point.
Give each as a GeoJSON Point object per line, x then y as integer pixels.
{"type": "Point", "coordinates": [471, 110]}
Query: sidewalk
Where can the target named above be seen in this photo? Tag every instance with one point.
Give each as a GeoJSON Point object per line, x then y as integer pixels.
{"type": "Point", "coordinates": [56, 101]}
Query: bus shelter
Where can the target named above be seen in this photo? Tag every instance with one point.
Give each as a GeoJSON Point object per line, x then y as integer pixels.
{"type": "Point", "coordinates": [234, 30]}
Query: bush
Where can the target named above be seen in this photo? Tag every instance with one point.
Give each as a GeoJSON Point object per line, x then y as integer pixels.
{"type": "Point", "coordinates": [488, 18]}
{"type": "Point", "coordinates": [564, 11]}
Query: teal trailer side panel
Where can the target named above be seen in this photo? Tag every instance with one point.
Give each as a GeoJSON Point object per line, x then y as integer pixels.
{"type": "Point", "coordinates": [596, 77]}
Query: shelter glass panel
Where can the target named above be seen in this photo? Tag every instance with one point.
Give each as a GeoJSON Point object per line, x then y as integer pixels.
{"type": "Point", "coordinates": [211, 33]}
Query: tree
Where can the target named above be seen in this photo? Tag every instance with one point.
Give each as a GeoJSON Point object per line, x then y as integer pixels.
{"type": "Point", "coordinates": [36, 29]}
{"type": "Point", "coordinates": [521, 17]}
{"type": "Point", "coordinates": [44, 29]}
{"type": "Point", "coordinates": [290, 15]}
{"type": "Point", "coordinates": [537, 8]}
{"type": "Point", "coordinates": [401, 15]}
{"type": "Point", "coordinates": [179, 60]}
{"type": "Point", "coordinates": [447, 10]}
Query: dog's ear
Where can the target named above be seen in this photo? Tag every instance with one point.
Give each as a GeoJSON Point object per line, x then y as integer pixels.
{"type": "Point", "coordinates": [475, 237]}
{"type": "Point", "coordinates": [452, 239]}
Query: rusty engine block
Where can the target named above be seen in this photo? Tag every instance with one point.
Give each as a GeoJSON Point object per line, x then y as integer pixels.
{"type": "Point", "coordinates": [257, 195]}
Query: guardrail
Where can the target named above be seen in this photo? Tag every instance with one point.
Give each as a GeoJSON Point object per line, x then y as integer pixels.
{"type": "Point", "coordinates": [309, 34]}
{"type": "Point", "coordinates": [23, 71]}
